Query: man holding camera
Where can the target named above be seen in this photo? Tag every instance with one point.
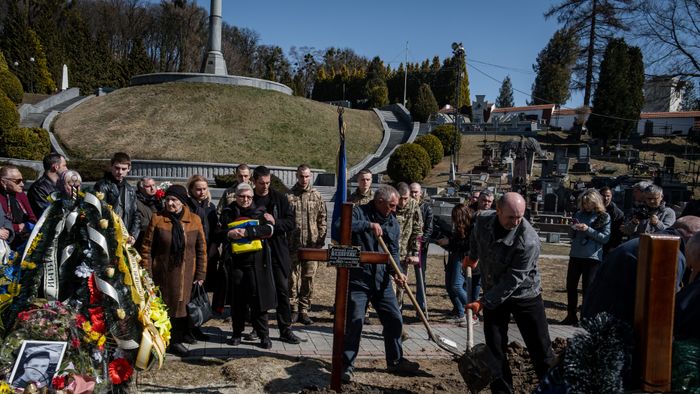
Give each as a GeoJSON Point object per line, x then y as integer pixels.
{"type": "Point", "coordinates": [652, 217]}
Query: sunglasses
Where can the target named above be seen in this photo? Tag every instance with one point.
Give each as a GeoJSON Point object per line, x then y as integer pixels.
{"type": "Point", "coordinates": [16, 181]}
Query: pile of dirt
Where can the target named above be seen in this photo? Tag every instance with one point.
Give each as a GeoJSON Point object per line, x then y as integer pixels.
{"type": "Point", "coordinates": [524, 377]}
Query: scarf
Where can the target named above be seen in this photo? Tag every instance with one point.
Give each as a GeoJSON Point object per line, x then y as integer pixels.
{"type": "Point", "coordinates": [177, 244]}
{"type": "Point", "coordinates": [16, 212]}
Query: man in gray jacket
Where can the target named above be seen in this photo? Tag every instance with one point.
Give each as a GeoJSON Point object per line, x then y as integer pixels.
{"type": "Point", "coordinates": [506, 248]}
{"type": "Point", "coordinates": [653, 217]}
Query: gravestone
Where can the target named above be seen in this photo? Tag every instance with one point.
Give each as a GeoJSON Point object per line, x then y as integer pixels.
{"type": "Point", "coordinates": [549, 167]}
{"type": "Point", "coordinates": [550, 202]}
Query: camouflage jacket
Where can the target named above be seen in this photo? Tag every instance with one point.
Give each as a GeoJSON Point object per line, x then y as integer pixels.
{"type": "Point", "coordinates": [358, 198]}
{"type": "Point", "coordinates": [311, 218]}
{"type": "Point", "coordinates": [411, 224]}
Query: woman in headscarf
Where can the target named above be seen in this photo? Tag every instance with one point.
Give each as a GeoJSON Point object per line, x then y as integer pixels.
{"type": "Point", "coordinates": [174, 253]}
{"type": "Point", "coordinates": [247, 264]}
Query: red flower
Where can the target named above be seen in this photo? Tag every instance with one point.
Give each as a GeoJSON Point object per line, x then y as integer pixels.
{"type": "Point", "coordinates": [160, 193]}
{"type": "Point", "coordinates": [94, 291]}
{"type": "Point", "coordinates": [97, 319]}
{"type": "Point", "coordinates": [120, 370]}
{"type": "Point", "coordinates": [75, 342]}
{"type": "Point", "coordinates": [80, 319]}
{"type": "Point", "coordinates": [59, 382]}
{"type": "Point", "coordinates": [23, 316]}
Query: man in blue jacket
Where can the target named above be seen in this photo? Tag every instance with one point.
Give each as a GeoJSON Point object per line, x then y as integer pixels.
{"type": "Point", "coordinates": [372, 282]}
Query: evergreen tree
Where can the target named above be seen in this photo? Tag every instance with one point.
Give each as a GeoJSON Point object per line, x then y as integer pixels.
{"type": "Point", "coordinates": [138, 61]}
{"type": "Point", "coordinates": [505, 95]}
{"type": "Point", "coordinates": [377, 93]}
{"type": "Point", "coordinates": [424, 104]}
{"type": "Point", "coordinates": [690, 101]}
{"type": "Point", "coordinates": [42, 80]}
{"type": "Point", "coordinates": [554, 66]}
{"type": "Point", "coordinates": [593, 22]}
{"type": "Point", "coordinates": [619, 97]}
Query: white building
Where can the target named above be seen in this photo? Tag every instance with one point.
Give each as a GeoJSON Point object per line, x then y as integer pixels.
{"type": "Point", "coordinates": [668, 123]}
{"type": "Point", "coordinates": [663, 94]}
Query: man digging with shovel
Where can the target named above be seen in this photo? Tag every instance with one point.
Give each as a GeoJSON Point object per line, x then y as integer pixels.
{"type": "Point", "coordinates": [507, 248]}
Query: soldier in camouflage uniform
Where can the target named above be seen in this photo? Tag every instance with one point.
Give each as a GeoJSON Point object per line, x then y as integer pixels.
{"type": "Point", "coordinates": [310, 232]}
{"type": "Point", "coordinates": [410, 219]}
{"type": "Point", "coordinates": [363, 194]}
{"type": "Point", "coordinates": [229, 196]}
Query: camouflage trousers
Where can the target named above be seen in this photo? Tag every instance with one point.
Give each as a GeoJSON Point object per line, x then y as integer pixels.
{"type": "Point", "coordinates": [301, 284]}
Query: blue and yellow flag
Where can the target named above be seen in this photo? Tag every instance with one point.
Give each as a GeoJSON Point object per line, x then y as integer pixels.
{"type": "Point", "coordinates": [341, 181]}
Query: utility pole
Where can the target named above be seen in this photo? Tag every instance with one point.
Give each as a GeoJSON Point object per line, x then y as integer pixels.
{"type": "Point", "coordinates": [405, 75]}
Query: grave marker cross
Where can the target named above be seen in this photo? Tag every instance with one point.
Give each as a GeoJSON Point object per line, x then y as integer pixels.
{"type": "Point", "coordinates": [341, 288]}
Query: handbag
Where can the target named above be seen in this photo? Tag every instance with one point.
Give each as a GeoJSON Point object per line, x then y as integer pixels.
{"type": "Point", "coordinates": [199, 309]}
{"type": "Point", "coordinates": [244, 245]}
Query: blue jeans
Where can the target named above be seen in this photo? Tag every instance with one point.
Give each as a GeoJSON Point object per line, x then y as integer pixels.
{"type": "Point", "coordinates": [420, 290]}
{"type": "Point", "coordinates": [384, 302]}
{"type": "Point", "coordinates": [476, 287]}
{"type": "Point", "coordinates": [456, 285]}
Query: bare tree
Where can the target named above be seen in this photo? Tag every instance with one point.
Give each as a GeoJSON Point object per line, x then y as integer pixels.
{"type": "Point", "coordinates": [669, 31]}
{"type": "Point", "coordinates": [239, 46]}
{"type": "Point", "coordinates": [593, 22]}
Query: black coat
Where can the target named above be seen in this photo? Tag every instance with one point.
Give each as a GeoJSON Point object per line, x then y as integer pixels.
{"type": "Point", "coordinates": [39, 192]}
{"type": "Point", "coordinates": [260, 260]}
{"type": "Point", "coordinates": [128, 212]}
{"type": "Point", "coordinates": [285, 222]}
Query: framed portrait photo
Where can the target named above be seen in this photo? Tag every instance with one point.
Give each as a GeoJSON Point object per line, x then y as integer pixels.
{"type": "Point", "coordinates": [37, 363]}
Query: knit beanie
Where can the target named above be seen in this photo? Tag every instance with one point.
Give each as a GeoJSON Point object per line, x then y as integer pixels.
{"type": "Point", "coordinates": [177, 191]}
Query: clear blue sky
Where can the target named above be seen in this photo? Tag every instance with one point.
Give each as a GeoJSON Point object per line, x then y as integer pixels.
{"type": "Point", "coordinates": [501, 37]}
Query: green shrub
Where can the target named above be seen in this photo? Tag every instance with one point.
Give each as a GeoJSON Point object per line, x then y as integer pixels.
{"type": "Point", "coordinates": [27, 172]}
{"type": "Point", "coordinates": [26, 143]}
{"type": "Point", "coordinates": [9, 117]}
{"type": "Point", "coordinates": [409, 163]}
{"type": "Point", "coordinates": [432, 146]}
{"type": "Point", "coordinates": [90, 170]}
{"type": "Point", "coordinates": [227, 180]}
{"type": "Point", "coordinates": [3, 63]}
{"type": "Point", "coordinates": [10, 84]}
{"type": "Point", "coordinates": [424, 104]}
{"type": "Point", "coordinates": [447, 136]}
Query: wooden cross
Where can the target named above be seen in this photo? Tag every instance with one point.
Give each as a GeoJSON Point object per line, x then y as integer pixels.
{"type": "Point", "coordinates": [654, 306]}
{"type": "Point", "coordinates": [341, 288]}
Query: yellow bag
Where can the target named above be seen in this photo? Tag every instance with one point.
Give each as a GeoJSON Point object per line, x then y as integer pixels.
{"type": "Point", "coordinates": [244, 245]}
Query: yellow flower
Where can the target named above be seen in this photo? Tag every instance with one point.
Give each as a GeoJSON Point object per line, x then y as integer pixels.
{"type": "Point", "coordinates": [28, 265]}
{"type": "Point", "coordinates": [121, 314]}
{"type": "Point", "coordinates": [95, 336]}
{"type": "Point", "coordinates": [100, 195]}
{"type": "Point", "coordinates": [13, 288]}
{"type": "Point", "coordinates": [5, 388]}
{"type": "Point", "coordinates": [104, 223]}
{"type": "Point", "coordinates": [87, 327]}
{"type": "Point", "coordinates": [101, 341]}
{"type": "Point", "coordinates": [109, 271]}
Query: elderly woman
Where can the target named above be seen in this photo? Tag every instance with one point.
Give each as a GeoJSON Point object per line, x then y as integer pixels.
{"type": "Point", "coordinates": [174, 253]}
{"type": "Point", "coordinates": [247, 263]}
{"type": "Point", "coordinates": [591, 230]}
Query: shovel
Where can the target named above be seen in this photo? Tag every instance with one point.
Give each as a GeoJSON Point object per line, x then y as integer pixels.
{"type": "Point", "coordinates": [477, 365]}
{"type": "Point", "coordinates": [443, 343]}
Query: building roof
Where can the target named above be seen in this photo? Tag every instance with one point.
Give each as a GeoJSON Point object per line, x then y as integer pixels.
{"type": "Point", "coordinates": [656, 115]}
{"type": "Point", "coordinates": [526, 108]}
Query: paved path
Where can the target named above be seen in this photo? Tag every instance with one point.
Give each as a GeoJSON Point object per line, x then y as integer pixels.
{"type": "Point", "coordinates": [319, 342]}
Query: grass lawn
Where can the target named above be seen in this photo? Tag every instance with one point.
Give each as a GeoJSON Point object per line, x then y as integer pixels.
{"type": "Point", "coordinates": [215, 123]}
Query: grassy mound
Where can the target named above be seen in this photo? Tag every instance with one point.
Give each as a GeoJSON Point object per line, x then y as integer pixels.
{"type": "Point", "coordinates": [215, 123]}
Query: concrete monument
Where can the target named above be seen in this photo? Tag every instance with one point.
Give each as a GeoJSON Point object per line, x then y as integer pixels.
{"type": "Point", "coordinates": [214, 62]}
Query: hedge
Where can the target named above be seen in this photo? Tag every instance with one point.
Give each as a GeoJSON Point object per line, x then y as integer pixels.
{"type": "Point", "coordinates": [9, 117]}
{"type": "Point", "coordinates": [26, 143]}
{"type": "Point", "coordinates": [432, 146]}
{"type": "Point", "coordinates": [409, 163]}
{"type": "Point", "coordinates": [90, 170]}
{"type": "Point", "coordinates": [10, 84]}
{"type": "Point", "coordinates": [447, 136]}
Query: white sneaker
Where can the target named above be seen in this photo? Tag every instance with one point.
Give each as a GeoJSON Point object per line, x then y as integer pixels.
{"type": "Point", "coordinates": [460, 321]}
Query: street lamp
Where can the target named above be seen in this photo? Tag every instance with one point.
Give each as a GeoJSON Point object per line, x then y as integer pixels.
{"type": "Point", "coordinates": [458, 52]}
{"type": "Point", "coordinates": [31, 75]}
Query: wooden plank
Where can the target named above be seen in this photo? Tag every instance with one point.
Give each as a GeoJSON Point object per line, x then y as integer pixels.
{"type": "Point", "coordinates": [654, 307]}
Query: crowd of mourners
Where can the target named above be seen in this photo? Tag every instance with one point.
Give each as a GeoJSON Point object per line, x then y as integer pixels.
{"type": "Point", "coordinates": [244, 251]}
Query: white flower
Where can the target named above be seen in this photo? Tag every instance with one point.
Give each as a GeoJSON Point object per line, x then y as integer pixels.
{"type": "Point", "coordinates": [83, 271]}
{"type": "Point", "coordinates": [97, 356]}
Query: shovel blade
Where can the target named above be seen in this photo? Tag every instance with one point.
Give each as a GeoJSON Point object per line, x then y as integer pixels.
{"type": "Point", "coordinates": [478, 368]}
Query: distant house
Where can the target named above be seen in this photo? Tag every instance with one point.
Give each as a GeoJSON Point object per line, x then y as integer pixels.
{"type": "Point", "coordinates": [668, 123]}
{"type": "Point", "coordinates": [565, 118]}
{"type": "Point", "coordinates": [663, 94]}
{"type": "Point", "coordinates": [539, 113]}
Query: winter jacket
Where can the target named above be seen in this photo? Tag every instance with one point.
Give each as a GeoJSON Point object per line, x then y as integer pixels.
{"type": "Point", "coordinates": [589, 244]}
{"type": "Point", "coordinates": [39, 192]}
{"type": "Point", "coordinates": [665, 215]}
{"type": "Point", "coordinates": [508, 265]}
{"type": "Point", "coordinates": [175, 280]}
{"type": "Point", "coordinates": [278, 206]}
{"type": "Point", "coordinates": [126, 209]}
{"type": "Point", "coordinates": [310, 216]}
